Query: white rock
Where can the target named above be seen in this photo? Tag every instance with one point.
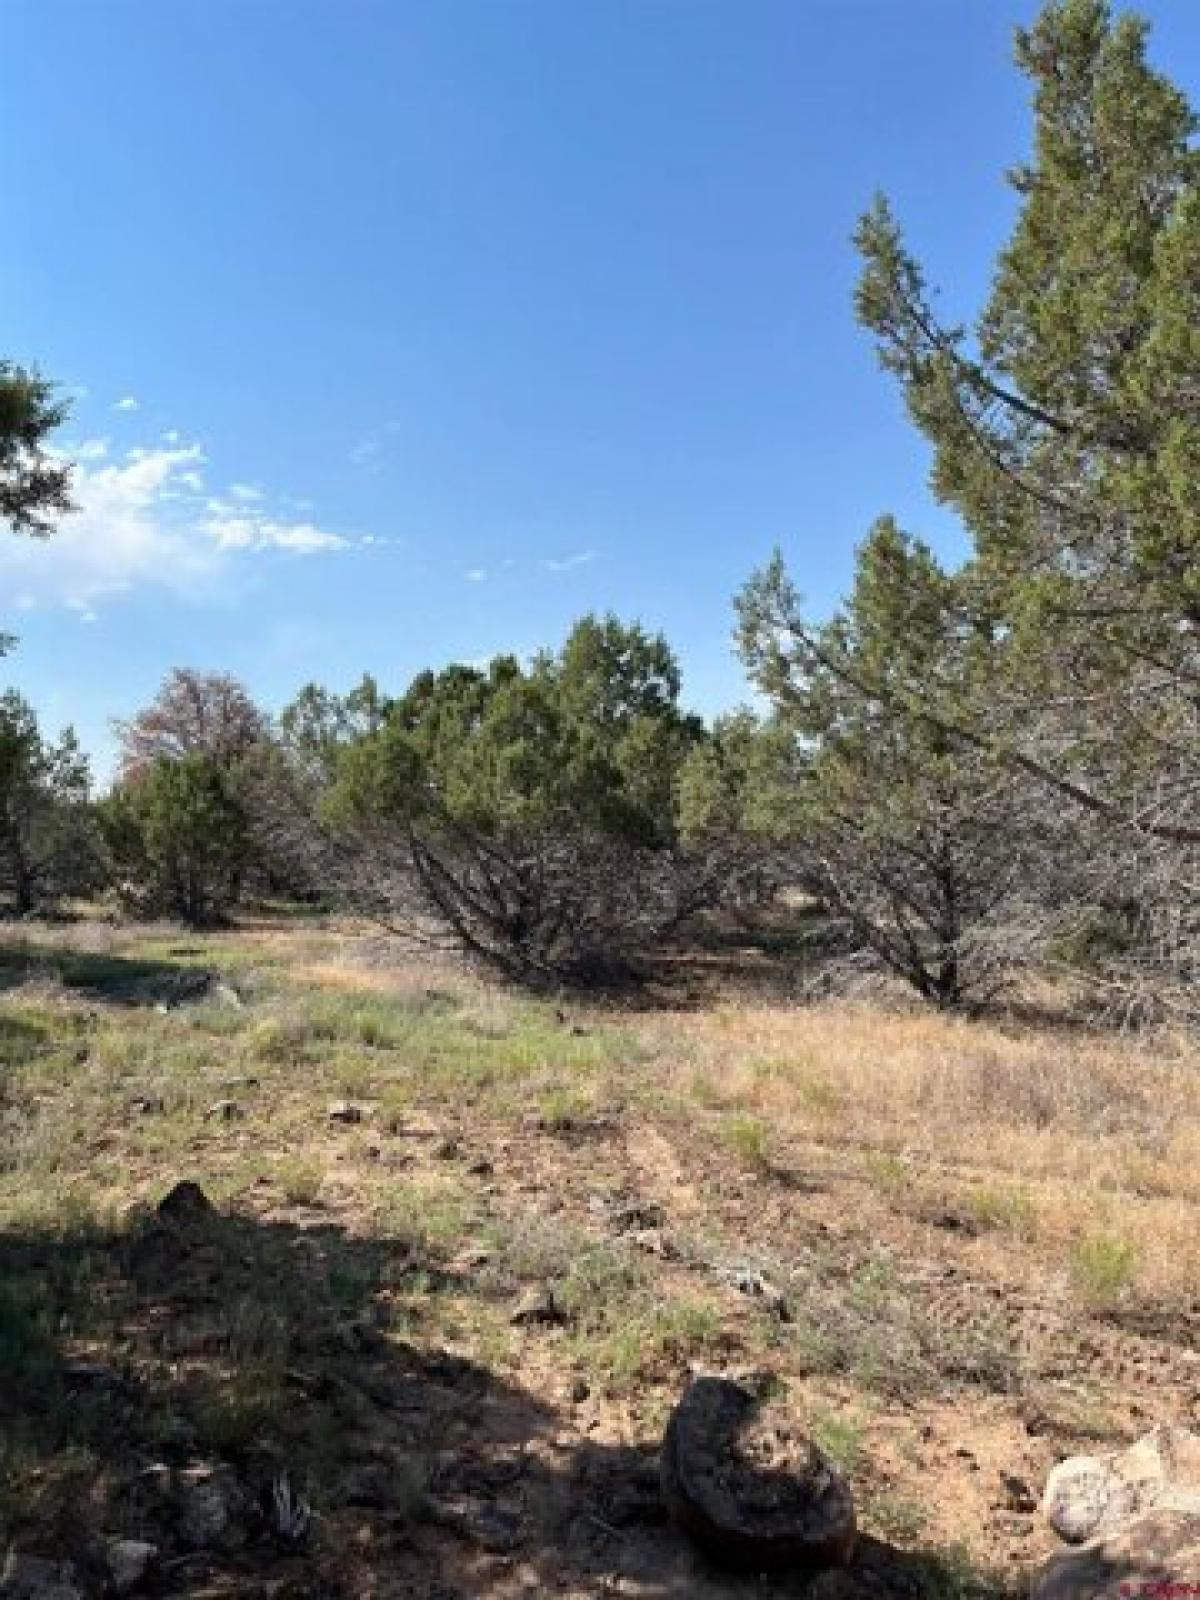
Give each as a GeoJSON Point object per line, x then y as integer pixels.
{"type": "Point", "coordinates": [1089, 1497]}
{"type": "Point", "coordinates": [129, 1561]}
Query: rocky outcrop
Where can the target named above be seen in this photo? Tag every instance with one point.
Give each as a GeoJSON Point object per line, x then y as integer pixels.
{"type": "Point", "coordinates": [1088, 1497]}
{"type": "Point", "coordinates": [1133, 1516]}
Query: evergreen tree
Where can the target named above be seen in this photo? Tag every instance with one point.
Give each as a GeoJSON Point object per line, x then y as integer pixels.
{"type": "Point", "coordinates": [920, 845]}
{"type": "Point", "coordinates": [48, 842]}
{"type": "Point", "coordinates": [177, 835]}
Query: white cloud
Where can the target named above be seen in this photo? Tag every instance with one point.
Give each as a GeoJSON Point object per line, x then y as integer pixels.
{"type": "Point", "coordinates": [565, 563]}
{"type": "Point", "coordinates": [127, 402]}
{"type": "Point", "coordinates": [249, 530]}
{"type": "Point", "coordinates": [247, 493]}
{"type": "Point", "coordinates": [140, 520]}
{"type": "Point", "coordinates": [476, 574]}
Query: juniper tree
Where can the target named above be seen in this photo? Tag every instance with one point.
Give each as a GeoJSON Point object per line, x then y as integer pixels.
{"type": "Point", "coordinates": [919, 845]}
{"type": "Point", "coordinates": [527, 813]}
{"type": "Point", "coordinates": [49, 845]}
{"type": "Point", "coordinates": [34, 485]}
{"type": "Point", "coordinates": [1065, 428]}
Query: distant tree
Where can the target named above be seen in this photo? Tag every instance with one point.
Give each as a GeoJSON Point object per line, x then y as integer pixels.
{"type": "Point", "coordinates": [527, 814]}
{"type": "Point", "coordinates": [176, 834]}
{"type": "Point", "coordinates": [206, 726]}
{"type": "Point", "coordinates": [318, 724]}
{"type": "Point", "coordinates": [34, 486]}
{"type": "Point", "coordinates": [49, 846]}
{"type": "Point", "coordinates": [194, 713]}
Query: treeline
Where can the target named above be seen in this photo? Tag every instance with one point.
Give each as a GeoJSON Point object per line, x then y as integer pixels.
{"type": "Point", "coordinates": [974, 773]}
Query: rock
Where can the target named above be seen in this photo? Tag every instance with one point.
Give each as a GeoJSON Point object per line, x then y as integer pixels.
{"type": "Point", "coordinates": [148, 1105]}
{"type": "Point", "coordinates": [655, 1243]}
{"type": "Point", "coordinates": [214, 1511]}
{"type": "Point", "coordinates": [129, 1562]}
{"type": "Point", "coordinates": [34, 1578]}
{"type": "Point", "coordinates": [224, 994]}
{"type": "Point", "coordinates": [1087, 1497]}
{"type": "Point", "coordinates": [1155, 1553]}
{"type": "Point", "coordinates": [1018, 1496]}
{"type": "Point", "coordinates": [344, 1111]}
{"type": "Point", "coordinates": [185, 1202]}
{"type": "Point", "coordinates": [224, 1111]}
{"type": "Point", "coordinates": [751, 1493]}
{"type": "Point", "coordinates": [538, 1307]}
{"type": "Point", "coordinates": [493, 1528]}
{"type": "Point", "coordinates": [749, 1281]}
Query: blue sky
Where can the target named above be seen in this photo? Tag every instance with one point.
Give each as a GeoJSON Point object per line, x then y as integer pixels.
{"type": "Point", "coordinates": [402, 333]}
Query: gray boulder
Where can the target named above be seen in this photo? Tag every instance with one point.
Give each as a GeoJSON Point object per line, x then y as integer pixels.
{"type": "Point", "coordinates": [1089, 1497]}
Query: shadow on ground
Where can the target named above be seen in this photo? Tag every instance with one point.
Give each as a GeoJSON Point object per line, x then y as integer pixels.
{"type": "Point", "coordinates": [240, 1352]}
{"type": "Point", "coordinates": [103, 977]}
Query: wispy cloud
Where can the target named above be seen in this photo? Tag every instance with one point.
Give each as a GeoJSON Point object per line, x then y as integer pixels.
{"type": "Point", "coordinates": [127, 402]}
{"type": "Point", "coordinates": [144, 517]}
{"type": "Point", "coordinates": [248, 493]}
{"type": "Point", "coordinates": [248, 530]}
{"type": "Point", "coordinates": [369, 451]}
{"type": "Point", "coordinates": [475, 574]}
{"type": "Point", "coordinates": [566, 563]}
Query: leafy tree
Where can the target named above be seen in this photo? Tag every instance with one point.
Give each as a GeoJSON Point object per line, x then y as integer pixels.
{"type": "Point", "coordinates": [176, 834]}
{"type": "Point", "coordinates": [194, 713]}
{"type": "Point", "coordinates": [317, 725]}
{"type": "Point", "coordinates": [34, 486]}
{"type": "Point", "coordinates": [206, 726]}
{"type": "Point", "coordinates": [48, 842]}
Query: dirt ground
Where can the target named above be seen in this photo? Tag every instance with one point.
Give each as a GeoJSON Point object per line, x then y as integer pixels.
{"type": "Point", "coordinates": [960, 1250]}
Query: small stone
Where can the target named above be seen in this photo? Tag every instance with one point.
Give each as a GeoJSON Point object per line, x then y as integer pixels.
{"type": "Point", "coordinates": [538, 1307]}
{"type": "Point", "coordinates": [758, 1286]}
{"type": "Point", "coordinates": [129, 1562]}
{"type": "Point", "coordinates": [1018, 1496]}
{"type": "Point", "coordinates": [148, 1105]}
{"type": "Point", "coordinates": [224, 1111]}
{"type": "Point", "coordinates": [226, 995]}
{"type": "Point", "coordinates": [185, 1202]}
{"type": "Point", "coordinates": [214, 1510]}
{"type": "Point", "coordinates": [481, 1167]}
{"type": "Point", "coordinates": [655, 1243]}
{"type": "Point", "coordinates": [344, 1111]}
{"type": "Point", "coordinates": [581, 1390]}
{"type": "Point", "coordinates": [493, 1528]}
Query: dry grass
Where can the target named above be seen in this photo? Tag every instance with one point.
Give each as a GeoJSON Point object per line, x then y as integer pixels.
{"type": "Point", "coordinates": [1052, 1136]}
{"type": "Point", "coordinates": [931, 1230]}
